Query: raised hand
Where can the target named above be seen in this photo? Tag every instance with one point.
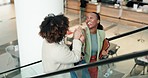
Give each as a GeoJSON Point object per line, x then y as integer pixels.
{"type": "Point", "coordinates": [77, 33]}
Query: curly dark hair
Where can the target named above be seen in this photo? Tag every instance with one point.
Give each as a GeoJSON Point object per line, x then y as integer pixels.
{"type": "Point", "coordinates": [53, 28]}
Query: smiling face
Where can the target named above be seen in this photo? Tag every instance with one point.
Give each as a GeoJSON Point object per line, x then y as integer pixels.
{"type": "Point", "coordinates": [92, 21]}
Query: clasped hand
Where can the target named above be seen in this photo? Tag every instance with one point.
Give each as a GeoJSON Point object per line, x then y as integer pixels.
{"type": "Point", "coordinates": [79, 35]}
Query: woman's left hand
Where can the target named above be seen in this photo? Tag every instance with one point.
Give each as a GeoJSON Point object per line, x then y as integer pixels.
{"type": "Point", "coordinates": [105, 53]}
{"type": "Point", "coordinates": [82, 39]}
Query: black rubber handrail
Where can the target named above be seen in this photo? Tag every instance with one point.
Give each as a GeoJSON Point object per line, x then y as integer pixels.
{"type": "Point", "coordinates": [20, 67]}
{"type": "Point", "coordinates": [128, 33]}
{"type": "Point", "coordinates": [99, 63]}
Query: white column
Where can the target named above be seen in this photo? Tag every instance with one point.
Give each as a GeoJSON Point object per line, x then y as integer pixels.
{"type": "Point", "coordinates": [98, 7]}
{"type": "Point", "coordinates": [29, 15]}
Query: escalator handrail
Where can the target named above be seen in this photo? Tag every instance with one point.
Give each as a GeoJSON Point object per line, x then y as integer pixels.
{"type": "Point", "coordinates": [99, 63]}
{"type": "Point", "coordinates": [21, 67]}
{"type": "Point", "coordinates": [128, 33]}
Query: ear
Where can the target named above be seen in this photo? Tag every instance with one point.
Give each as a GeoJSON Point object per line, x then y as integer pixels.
{"type": "Point", "coordinates": [98, 21]}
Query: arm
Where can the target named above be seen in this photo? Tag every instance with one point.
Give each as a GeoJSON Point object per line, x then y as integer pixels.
{"type": "Point", "coordinates": [64, 55]}
{"type": "Point", "coordinates": [68, 56]}
{"type": "Point", "coordinates": [105, 46]}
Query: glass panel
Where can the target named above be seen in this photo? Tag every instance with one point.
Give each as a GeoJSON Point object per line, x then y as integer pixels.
{"type": "Point", "coordinates": [9, 52]}
{"type": "Point", "coordinates": [32, 70]}
{"type": "Point", "coordinates": [132, 68]}
{"type": "Point", "coordinates": [35, 69]}
{"type": "Point", "coordinates": [122, 69]}
{"type": "Point", "coordinates": [113, 70]}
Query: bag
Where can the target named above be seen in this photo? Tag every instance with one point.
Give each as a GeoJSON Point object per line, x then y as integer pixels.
{"type": "Point", "coordinates": [105, 69]}
{"type": "Point", "coordinates": [105, 47]}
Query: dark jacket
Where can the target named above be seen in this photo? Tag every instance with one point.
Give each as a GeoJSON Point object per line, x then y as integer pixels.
{"type": "Point", "coordinates": [83, 3]}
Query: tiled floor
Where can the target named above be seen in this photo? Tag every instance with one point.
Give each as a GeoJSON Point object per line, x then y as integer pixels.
{"type": "Point", "coordinates": [127, 44]}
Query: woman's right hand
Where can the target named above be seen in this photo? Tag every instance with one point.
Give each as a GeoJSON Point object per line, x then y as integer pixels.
{"type": "Point", "coordinates": [78, 34]}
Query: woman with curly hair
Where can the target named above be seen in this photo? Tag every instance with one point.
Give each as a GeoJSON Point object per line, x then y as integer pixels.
{"type": "Point", "coordinates": [56, 55]}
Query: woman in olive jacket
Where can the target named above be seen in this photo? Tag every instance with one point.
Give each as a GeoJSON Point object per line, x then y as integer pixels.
{"type": "Point", "coordinates": [94, 39]}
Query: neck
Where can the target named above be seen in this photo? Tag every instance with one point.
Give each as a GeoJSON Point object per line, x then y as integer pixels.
{"type": "Point", "coordinates": [93, 31]}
